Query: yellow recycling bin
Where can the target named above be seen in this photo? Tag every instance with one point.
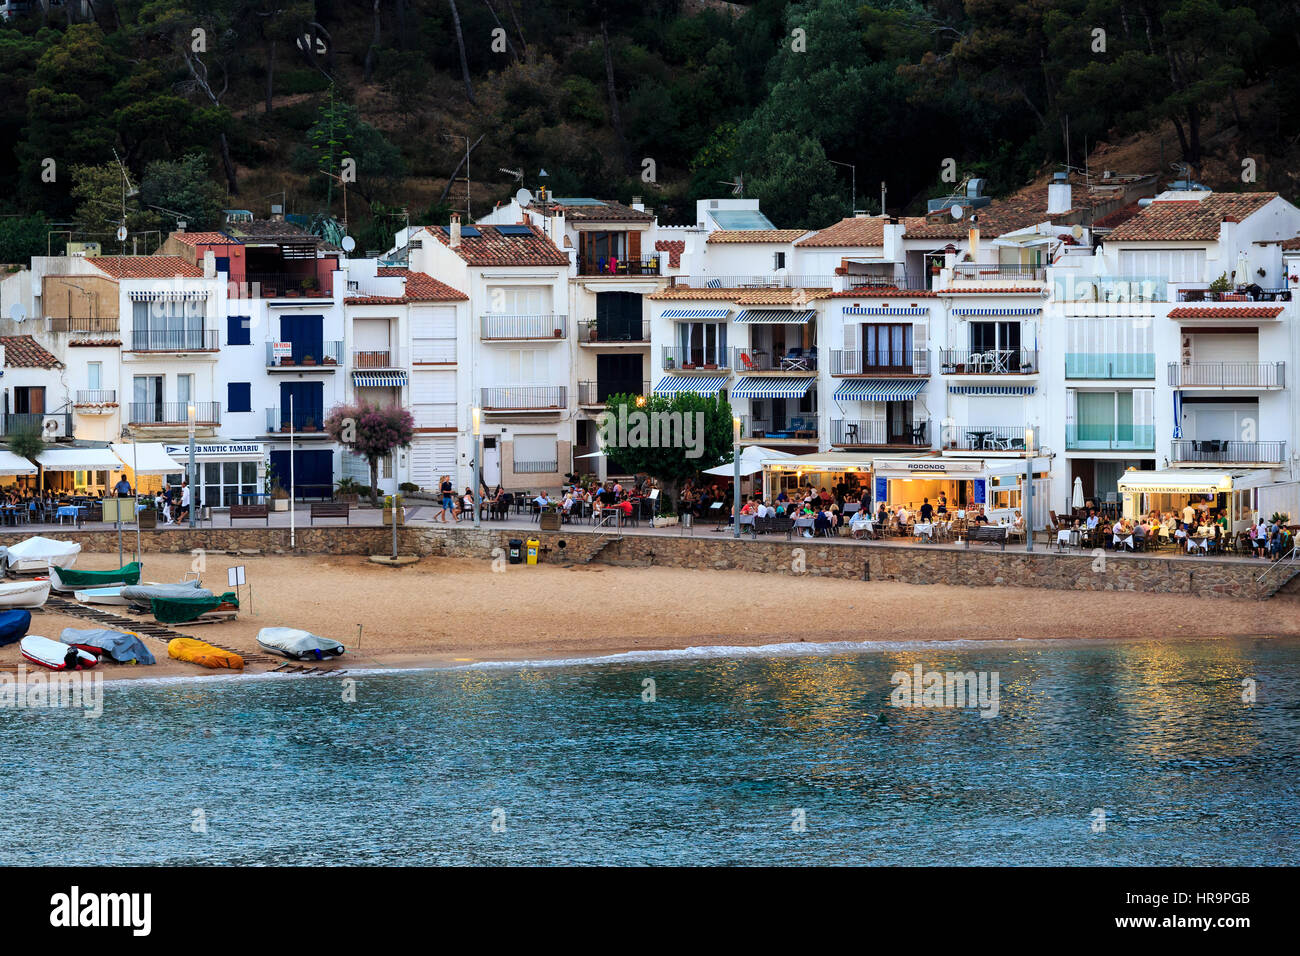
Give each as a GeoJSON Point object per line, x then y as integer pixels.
{"type": "Point", "coordinates": [534, 548]}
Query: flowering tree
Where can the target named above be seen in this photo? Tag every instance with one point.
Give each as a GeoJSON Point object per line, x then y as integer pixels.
{"type": "Point", "coordinates": [371, 431]}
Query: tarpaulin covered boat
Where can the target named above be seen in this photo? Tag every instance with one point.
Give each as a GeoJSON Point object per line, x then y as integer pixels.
{"type": "Point", "coordinates": [296, 644]}
{"type": "Point", "coordinates": [38, 554]}
{"type": "Point", "coordinates": [54, 655]}
{"type": "Point", "coordinates": [122, 646]}
{"type": "Point", "coordinates": [203, 653]}
{"type": "Point", "coordinates": [24, 593]}
{"type": "Point", "coordinates": [68, 579]}
{"type": "Point", "coordinates": [13, 625]}
{"type": "Point", "coordinates": [179, 610]}
{"type": "Point", "coordinates": [142, 595]}
{"type": "Point", "coordinates": [100, 596]}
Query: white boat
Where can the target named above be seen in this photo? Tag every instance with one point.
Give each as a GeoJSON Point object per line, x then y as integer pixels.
{"type": "Point", "coordinates": [296, 644]}
{"type": "Point", "coordinates": [24, 593]}
{"type": "Point", "coordinates": [100, 596]}
{"type": "Point", "coordinates": [36, 554]}
{"type": "Point", "coordinates": [53, 654]}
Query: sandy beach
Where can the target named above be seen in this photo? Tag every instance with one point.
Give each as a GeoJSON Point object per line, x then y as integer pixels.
{"type": "Point", "coordinates": [453, 611]}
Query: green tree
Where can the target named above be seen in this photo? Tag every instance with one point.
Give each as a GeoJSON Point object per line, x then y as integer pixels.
{"type": "Point", "coordinates": [185, 187]}
{"type": "Point", "coordinates": [22, 237]}
{"type": "Point", "coordinates": [629, 449]}
{"type": "Point", "coordinates": [372, 432]}
{"type": "Point", "coordinates": [339, 133]}
{"type": "Point", "coordinates": [101, 195]}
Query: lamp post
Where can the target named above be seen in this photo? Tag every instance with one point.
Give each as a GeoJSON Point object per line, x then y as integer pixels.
{"type": "Point", "coordinates": [735, 481]}
{"type": "Point", "coordinates": [476, 423]}
{"type": "Point", "coordinates": [853, 171]}
{"type": "Point", "coordinates": [1029, 488]}
{"type": "Point", "coordinates": [193, 474]}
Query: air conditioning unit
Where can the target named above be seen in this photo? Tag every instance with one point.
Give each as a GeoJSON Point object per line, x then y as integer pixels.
{"type": "Point", "coordinates": [54, 426]}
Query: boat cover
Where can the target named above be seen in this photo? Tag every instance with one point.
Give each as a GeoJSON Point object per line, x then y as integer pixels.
{"type": "Point", "coordinates": [203, 653]}
{"type": "Point", "coordinates": [67, 579]}
{"type": "Point", "coordinates": [122, 646]}
{"type": "Point", "coordinates": [178, 610]}
{"type": "Point", "coordinates": [13, 625]}
{"type": "Point", "coordinates": [38, 548]}
{"type": "Point", "coordinates": [300, 645]}
{"type": "Point", "coordinates": [143, 594]}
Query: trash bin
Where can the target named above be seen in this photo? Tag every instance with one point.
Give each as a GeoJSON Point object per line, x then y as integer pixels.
{"type": "Point", "coordinates": [534, 549]}
{"type": "Point", "coordinates": [516, 551]}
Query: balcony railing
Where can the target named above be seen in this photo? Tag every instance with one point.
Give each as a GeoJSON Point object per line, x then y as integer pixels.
{"type": "Point", "coordinates": [799, 427]}
{"type": "Point", "coordinates": [859, 433]}
{"type": "Point", "coordinates": [1237, 295]}
{"type": "Point", "coordinates": [1218, 451]}
{"type": "Point", "coordinates": [902, 280]}
{"type": "Point", "coordinates": [525, 398]}
{"type": "Point", "coordinates": [20, 423]}
{"type": "Point", "coordinates": [1110, 365]}
{"type": "Point", "coordinates": [694, 359]}
{"type": "Point", "coordinates": [1228, 375]}
{"type": "Point", "coordinates": [174, 413]}
{"type": "Point", "coordinates": [516, 327]}
{"type": "Point", "coordinates": [595, 393]}
{"type": "Point", "coordinates": [621, 266]}
{"type": "Point", "coordinates": [95, 396]}
{"type": "Point", "coordinates": [331, 354]}
{"type": "Point", "coordinates": [1110, 437]}
{"type": "Point", "coordinates": [762, 360]}
{"type": "Point", "coordinates": [278, 421]}
{"type": "Point", "coordinates": [985, 437]}
{"type": "Point", "coordinates": [175, 340]}
{"type": "Point", "coordinates": [281, 285]}
{"type": "Point", "coordinates": [96, 326]}
{"type": "Point", "coordinates": [988, 362]}
{"type": "Point", "coordinates": [889, 362]}
{"type": "Point", "coordinates": [376, 358]}
{"type": "Point", "coordinates": [782, 281]}
{"type": "Point", "coordinates": [589, 332]}
{"type": "Point", "coordinates": [998, 272]}
{"type": "Point", "coordinates": [1093, 288]}
{"type": "Point", "coordinates": [536, 467]}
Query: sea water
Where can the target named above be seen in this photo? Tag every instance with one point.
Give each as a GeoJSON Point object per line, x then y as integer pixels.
{"type": "Point", "coordinates": [1100, 753]}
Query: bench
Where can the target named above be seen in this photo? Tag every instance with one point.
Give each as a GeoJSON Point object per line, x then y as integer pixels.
{"type": "Point", "coordinates": [330, 509]}
{"type": "Point", "coordinates": [988, 534]}
{"type": "Point", "coordinates": [250, 511]}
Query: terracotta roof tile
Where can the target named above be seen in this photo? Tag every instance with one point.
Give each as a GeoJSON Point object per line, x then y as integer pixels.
{"type": "Point", "coordinates": [603, 210]}
{"type": "Point", "coordinates": [690, 292]}
{"type": "Point", "coordinates": [780, 296]}
{"type": "Point", "coordinates": [1188, 219]}
{"type": "Point", "coordinates": [145, 267]}
{"type": "Point", "coordinates": [755, 235]}
{"type": "Point", "coordinates": [856, 232]}
{"type": "Point", "coordinates": [419, 287]}
{"type": "Point", "coordinates": [1289, 244]}
{"type": "Point", "coordinates": [375, 300]}
{"type": "Point", "coordinates": [1226, 312]}
{"type": "Point", "coordinates": [491, 248]}
{"type": "Point", "coordinates": [205, 239]}
{"type": "Point", "coordinates": [885, 292]}
{"type": "Point", "coordinates": [23, 351]}
{"type": "Point", "coordinates": [1006, 290]}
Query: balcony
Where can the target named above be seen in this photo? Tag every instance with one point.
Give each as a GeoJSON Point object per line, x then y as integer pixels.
{"type": "Point", "coordinates": [1110, 437]}
{"type": "Point", "coordinates": [535, 467]}
{"type": "Point", "coordinates": [376, 359]}
{"type": "Point", "coordinates": [910, 363]}
{"type": "Point", "coordinates": [283, 285]}
{"type": "Point", "coordinates": [761, 360]}
{"type": "Point", "coordinates": [997, 272]}
{"type": "Point", "coordinates": [797, 429]}
{"type": "Point", "coordinates": [1110, 365]}
{"type": "Point", "coordinates": [520, 328]}
{"type": "Point", "coordinates": [1070, 288]}
{"type": "Point", "coordinates": [990, 362]}
{"type": "Point", "coordinates": [300, 425]}
{"type": "Point", "coordinates": [24, 423]}
{"type": "Point", "coordinates": [175, 340]}
{"type": "Point", "coordinates": [907, 281]}
{"type": "Point", "coordinates": [173, 413]}
{"type": "Point", "coordinates": [855, 433]}
{"type": "Point", "coordinates": [590, 334]}
{"type": "Point", "coordinates": [621, 266]}
{"type": "Point", "coordinates": [95, 327]}
{"type": "Point", "coordinates": [1238, 295]}
{"type": "Point", "coordinates": [985, 438]}
{"type": "Point", "coordinates": [1220, 452]}
{"type": "Point", "coordinates": [1228, 375]}
{"type": "Point", "coordinates": [781, 281]}
{"type": "Point", "coordinates": [595, 393]}
{"type": "Point", "coordinates": [525, 398]}
{"type": "Point", "coordinates": [693, 359]}
{"type": "Point", "coordinates": [95, 396]}
{"type": "Point", "coordinates": [331, 356]}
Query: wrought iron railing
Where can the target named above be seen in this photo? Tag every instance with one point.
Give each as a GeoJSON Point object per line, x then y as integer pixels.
{"type": "Point", "coordinates": [515, 327]}
{"type": "Point", "coordinates": [1228, 375]}
{"type": "Point", "coordinates": [174, 413]}
{"type": "Point", "coordinates": [1219, 451]}
{"type": "Point", "coordinates": [988, 361]}
{"type": "Point", "coordinates": [524, 398]}
{"type": "Point", "coordinates": [856, 432]}
{"type": "Point", "coordinates": [884, 362]}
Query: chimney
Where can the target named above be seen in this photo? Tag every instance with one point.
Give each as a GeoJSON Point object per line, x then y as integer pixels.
{"type": "Point", "coordinates": [209, 265]}
{"type": "Point", "coordinates": [454, 231]}
{"type": "Point", "coordinates": [892, 241]}
{"type": "Point", "coordinates": [1059, 199]}
{"type": "Point", "coordinates": [277, 213]}
{"type": "Point", "coordinates": [638, 204]}
{"type": "Point", "coordinates": [973, 242]}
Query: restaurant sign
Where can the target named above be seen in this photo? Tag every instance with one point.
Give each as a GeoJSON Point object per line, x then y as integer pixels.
{"type": "Point", "coordinates": [224, 451]}
{"type": "Point", "coordinates": [928, 466]}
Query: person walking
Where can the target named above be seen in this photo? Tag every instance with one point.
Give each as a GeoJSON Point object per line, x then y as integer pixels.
{"type": "Point", "coordinates": [123, 488]}
{"type": "Point", "coordinates": [184, 513]}
{"type": "Point", "coordinates": [448, 499]}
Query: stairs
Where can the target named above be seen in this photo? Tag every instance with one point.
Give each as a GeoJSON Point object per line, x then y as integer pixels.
{"type": "Point", "coordinates": [598, 550]}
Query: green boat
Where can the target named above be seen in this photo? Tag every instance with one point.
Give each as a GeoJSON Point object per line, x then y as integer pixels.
{"type": "Point", "coordinates": [72, 579]}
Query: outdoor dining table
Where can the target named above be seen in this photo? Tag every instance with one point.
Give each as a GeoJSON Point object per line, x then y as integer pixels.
{"type": "Point", "coordinates": [925, 529]}
{"type": "Point", "coordinates": [1125, 539]}
{"type": "Point", "coordinates": [69, 511]}
{"type": "Point", "coordinates": [1069, 537]}
{"type": "Point", "coordinates": [1199, 541]}
{"type": "Point", "coordinates": [980, 438]}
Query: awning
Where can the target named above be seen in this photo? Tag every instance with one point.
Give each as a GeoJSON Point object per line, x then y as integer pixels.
{"type": "Point", "coordinates": [1175, 482]}
{"type": "Point", "coordinates": [879, 389]}
{"type": "Point", "coordinates": [757, 386]}
{"type": "Point", "coordinates": [990, 389]}
{"type": "Point", "coordinates": [693, 313]}
{"type": "Point", "coordinates": [884, 310]}
{"type": "Point", "coordinates": [706, 385]}
{"type": "Point", "coordinates": [988, 311]}
{"type": "Point", "coordinates": [79, 459]}
{"type": "Point", "coordinates": [11, 464]}
{"type": "Point", "coordinates": [148, 458]}
{"type": "Point", "coordinates": [379, 379]}
{"type": "Point", "coordinates": [778, 316]}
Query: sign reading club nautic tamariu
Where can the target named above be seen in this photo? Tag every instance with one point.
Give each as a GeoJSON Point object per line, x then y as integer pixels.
{"type": "Point", "coordinates": [228, 451]}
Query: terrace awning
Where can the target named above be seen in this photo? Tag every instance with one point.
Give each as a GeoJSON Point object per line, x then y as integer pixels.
{"type": "Point", "coordinates": [757, 386]}
{"type": "Point", "coordinates": [693, 313]}
{"type": "Point", "coordinates": [379, 379]}
{"type": "Point", "coordinates": [990, 389]}
{"type": "Point", "coordinates": [78, 459]}
{"type": "Point", "coordinates": [707, 385]}
{"type": "Point", "coordinates": [884, 310]}
{"type": "Point", "coordinates": [776, 316]}
{"type": "Point", "coordinates": [879, 389]}
{"type": "Point", "coordinates": [148, 458]}
{"type": "Point", "coordinates": [1175, 482]}
{"type": "Point", "coordinates": [11, 464]}
{"type": "Point", "coordinates": [1024, 310]}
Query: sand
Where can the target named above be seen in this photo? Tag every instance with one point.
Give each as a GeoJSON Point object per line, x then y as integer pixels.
{"type": "Point", "coordinates": [448, 611]}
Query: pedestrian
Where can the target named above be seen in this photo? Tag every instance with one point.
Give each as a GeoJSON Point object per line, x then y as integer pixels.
{"type": "Point", "coordinates": [184, 513]}
{"type": "Point", "coordinates": [123, 488]}
{"type": "Point", "coordinates": [448, 499]}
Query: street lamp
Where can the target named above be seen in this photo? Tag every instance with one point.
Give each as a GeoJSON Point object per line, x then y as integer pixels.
{"type": "Point", "coordinates": [193, 475]}
{"type": "Point", "coordinates": [735, 485]}
{"type": "Point", "coordinates": [1029, 488]}
{"type": "Point", "coordinates": [476, 420]}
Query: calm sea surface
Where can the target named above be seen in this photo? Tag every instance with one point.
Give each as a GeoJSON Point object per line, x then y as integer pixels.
{"type": "Point", "coordinates": [716, 769]}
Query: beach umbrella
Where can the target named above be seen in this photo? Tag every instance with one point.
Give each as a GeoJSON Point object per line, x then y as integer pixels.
{"type": "Point", "coordinates": [751, 461]}
{"type": "Point", "coordinates": [1077, 500]}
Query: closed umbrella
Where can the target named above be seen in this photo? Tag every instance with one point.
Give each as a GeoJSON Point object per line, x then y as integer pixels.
{"type": "Point", "coordinates": [1077, 500]}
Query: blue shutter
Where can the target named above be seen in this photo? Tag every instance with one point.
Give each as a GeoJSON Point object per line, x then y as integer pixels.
{"type": "Point", "coordinates": [239, 397]}
{"type": "Point", "coordinates": [239, 330]}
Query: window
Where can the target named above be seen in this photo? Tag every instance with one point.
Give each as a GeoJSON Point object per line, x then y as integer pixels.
{"type": "Point", "coordinates": [517, 300]}
{"type": "Point", "coordinates": [239, 397]}
{"type": "Point", "coordinates": [526, 367]}
{"type": "Point", "coordinates": [184, 388]}
{"type": "Point", "coordinates": [29, 400]}
{"type": "Point", "coordinates": [778, 261]}
{"type": "Point", "coordinates": [239, 330]}
{"type": "Point", "coordinates": [94, 376]}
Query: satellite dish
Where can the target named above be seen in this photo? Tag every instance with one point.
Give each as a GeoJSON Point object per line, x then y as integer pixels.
{"type": "Point", "coordinates": [1077, 231]}
{"type": "Point", "coordinates": [17, 312]}
{"type": "Point", "coordinates": [957, 211]}
{"type": "Point", "coordinates": [348, 243]}
{"type": "Point", "coordinates": [121, 233]}
{"type": "Point", "coordinates": [543, 175]}
{"type": "Point", "coordinates": [523, 197]}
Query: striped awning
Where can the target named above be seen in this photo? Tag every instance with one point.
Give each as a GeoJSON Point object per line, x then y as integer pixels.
{"type": "Point", "coordinates": [990, 389]}
{"type": "Point", "coordinates": [169, 295]}
{"type": "Point", "coordinates": [379, 379]}
{"type": "Point", "coordinates": [885, 310]}
{"type": "Point", "coordinates": [879, 389]}
{"type": "Point", "coordinates": [778, 316]}
{"type": "Point", "coordinates": [695, 313]}
{"type": "Point", "coordinates": [1026, 310]}
{"type": "Point", "coordinates": [757, 386]}
{"type": "Point", "coordinates": [707, 385]}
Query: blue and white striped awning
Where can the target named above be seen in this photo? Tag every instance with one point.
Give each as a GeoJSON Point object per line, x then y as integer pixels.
{"type": "Point", "coordinates": [985, 311]}
{"type": "Point", "coordinates": [779, 316]}
{"type": "Point", "coordinates": [879, 389]}
{"type": "Point", "coordinates": [379, 379]}
{"type": "Point", "coordinates": [886, 310]}
{"type": "Point", "coordinates": [695, 313]}
{"type": "Point", "coordinates": [758, 386]}
{"type": "Point", "coordinates": [990, 389]}
{"type": "Point", "coordinates": [706, 385]}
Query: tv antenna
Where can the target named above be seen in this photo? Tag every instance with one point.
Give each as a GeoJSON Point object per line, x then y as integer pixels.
{"type": "Point", "coordinates": [518, 174]}
{"type": "Point", "coordinates": [738, 187]}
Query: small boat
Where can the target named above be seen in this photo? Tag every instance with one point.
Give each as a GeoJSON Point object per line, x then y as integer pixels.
{"type": "Point", "coordinates": [142, 595]}
{"type": "Point", "coordinates": [24, 593]}
{"type": "Point", "coordinates": [297, 645]}
{"type": "Point", "coordinates": [36, 554]}
{"type": "Point", "coordinates": [125, 647]}
{"type": "Point", "coordinates": [101, 596]}
{"type": "Point", "coordinates": [54, 655]}
{"type": "Point", "coordinates": [14, 625]}
{"type": "Point", "coordinates": [68, 579]}
{"type": "Point", "coordinates": [203, 654]}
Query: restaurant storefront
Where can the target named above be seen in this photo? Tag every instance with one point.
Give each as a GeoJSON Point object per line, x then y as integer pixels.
{"type": "Point", "coordinates": [827, 470]}
{"type": "Point", "coordinates": [228, 472]}
{"type": "Point", "coordinates": [996, 485]}
{"type": "Point", "coordinates": [1172, 489]}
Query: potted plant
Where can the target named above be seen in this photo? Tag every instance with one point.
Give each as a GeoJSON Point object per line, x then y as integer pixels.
{"type": "Point", "coordinates": [329, 360]}
{"type": "Point", "coordinates": [308, 360]}
{"type": "Point", "coordinates": [308, 285]}
{"type": "Point", "coordinates": [286, 427]}
{"type": "Point", "coordinates": [669, 363]}
{"type": "Point", "coordinates": [389, 501]}
{"type": "Point", "coordinates": [550, 519]}
{"type": "Point", "coordinates": [286, 360]}
{"type": "Point", "coordinates": [348, 491]}
{"type": "Point", "coordinates": [309, 425]}
{"type": "Point", "coordinates": [279, 497]}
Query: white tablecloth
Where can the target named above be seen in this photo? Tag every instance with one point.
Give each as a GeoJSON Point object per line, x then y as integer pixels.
{"type": "Point", "coordinates": [923, 529]}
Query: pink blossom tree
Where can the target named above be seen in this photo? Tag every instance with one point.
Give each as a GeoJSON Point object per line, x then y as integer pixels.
{"type": "Point", "coordinates": [371, 431]}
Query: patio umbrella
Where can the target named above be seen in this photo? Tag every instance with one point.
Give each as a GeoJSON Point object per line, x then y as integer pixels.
{"type": "Point", "coordinates": [751, 461]}
{"type": "Point", "coordinates": [1077, 500]}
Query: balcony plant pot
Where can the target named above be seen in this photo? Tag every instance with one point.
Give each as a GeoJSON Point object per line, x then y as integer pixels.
{"type": "Point", "coordinates": [559, 333]}
{"type": "Point", "coordinates": [308, 360]}
{"type": "Point", "coordinates": [148, 518]}
{"type": "Point", "coordinates": [286, 361]}
{"type": "Point", "coordinates": [280, 504]}
{"type": "Point", "coordinates": [549, 521]}
{"type": "Point", "coordinates": [285, 428]}
{"type": "Point", "coordinates": [329, 361]}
